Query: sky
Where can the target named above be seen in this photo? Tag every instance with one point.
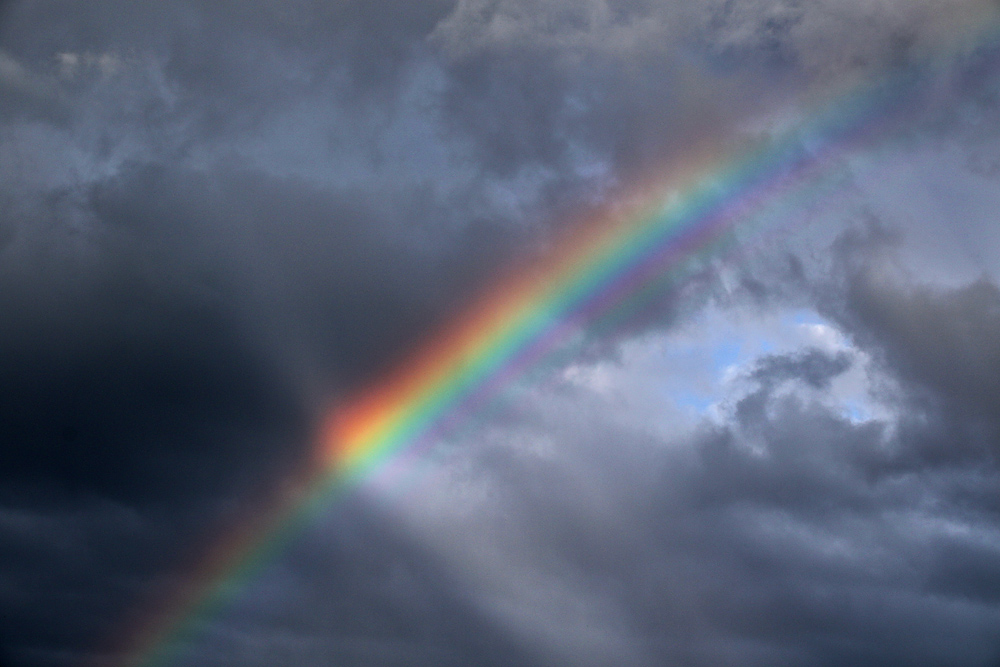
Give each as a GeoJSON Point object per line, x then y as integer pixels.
{"type": "Point", "coordinates": [222, 220]}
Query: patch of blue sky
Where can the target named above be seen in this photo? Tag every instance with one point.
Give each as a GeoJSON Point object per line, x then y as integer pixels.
{"type": "Point", "coordinates": [855, 411]}
{"type": "Point", "coordinates": [727, 353]}
{"type": "Point", "coordinates": [691, 400]}
{"type": "Point", "coordinates": [805, 316]}
{"type": "Point", "coordinates": [703, 363]}
{"type": "Point", "coordinates": [717, 358]}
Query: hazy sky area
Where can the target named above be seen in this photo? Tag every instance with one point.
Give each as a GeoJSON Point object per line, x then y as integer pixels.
{"type": "Point", "coordinates": [218, 219]}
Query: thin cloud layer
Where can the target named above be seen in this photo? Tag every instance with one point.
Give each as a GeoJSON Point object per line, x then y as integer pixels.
{"type": "Point", "coordinates": [219, 219]}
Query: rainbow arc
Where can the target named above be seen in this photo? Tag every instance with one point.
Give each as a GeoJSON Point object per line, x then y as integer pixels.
{"type": "Point", "coordinates": [604, 267]}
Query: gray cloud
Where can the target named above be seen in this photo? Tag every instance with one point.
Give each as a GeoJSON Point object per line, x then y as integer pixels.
{"type": "Point", "coordinates": [217, 218]}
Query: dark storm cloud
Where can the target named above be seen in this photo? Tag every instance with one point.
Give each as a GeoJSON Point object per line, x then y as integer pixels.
{"type": "Point", "coordinates": [813, 367]}
{"type": "Point", "coordinates": [171, 327]}
{"type": "Point", "coordinates": [941, 343]}
{"type": "Point", "coordinates": [216, 216]}
{"type": "Point", "coordinates": [163, 362]}
{"type": "Point", "coordinates": [943, 339]}
{"type": "Point", "coordinates": [132, 390]}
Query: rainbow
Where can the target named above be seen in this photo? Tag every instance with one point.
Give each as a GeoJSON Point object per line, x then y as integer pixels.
{"type": "Point", "coordinates": [604, 269]}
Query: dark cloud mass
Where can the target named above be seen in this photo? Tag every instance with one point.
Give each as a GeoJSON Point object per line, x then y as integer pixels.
{"type": "Point", "coordinates": [217, 219]}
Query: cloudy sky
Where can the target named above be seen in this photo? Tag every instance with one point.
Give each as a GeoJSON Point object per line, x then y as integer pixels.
{"type": "Point", "coordinates": [220, 219]}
